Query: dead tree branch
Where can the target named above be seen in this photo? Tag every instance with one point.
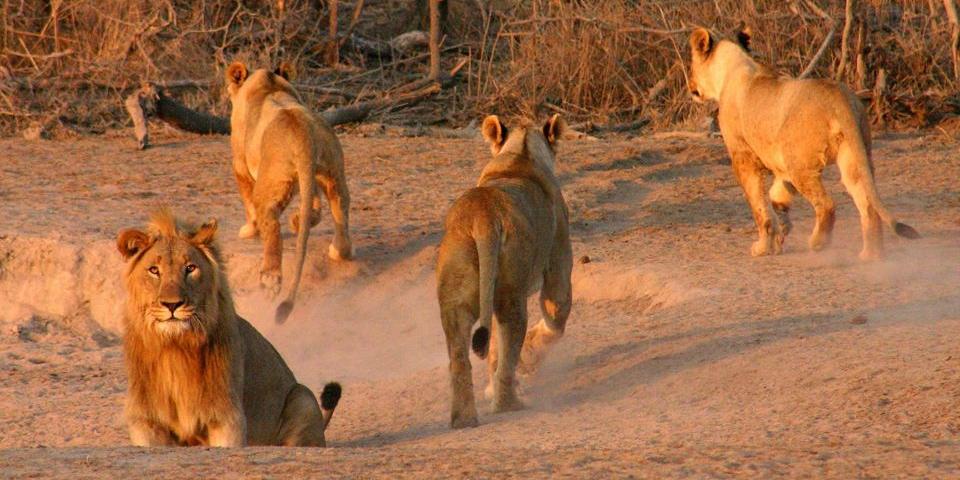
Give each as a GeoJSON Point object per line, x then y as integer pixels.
{"type": "Point", "coordinates": [826, 41]}
{"type": "Point", "coordinates": [848, 18]}
{"type": "Point", "coordinates": [152, 101]}
{"type": "Point", "coordinates": [951, 7]}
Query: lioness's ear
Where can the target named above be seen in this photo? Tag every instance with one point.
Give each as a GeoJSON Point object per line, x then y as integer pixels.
{"type": "Point", "coordinates": [494, 132]}
{"type": "Point", "coordinates": [131, 242]}
{"type": "Point", "coordinates": [286, 70]}
{"type": "Point", "coordinates": [554, 128]}
{"type": "Point", "coordinates": [204, 235]}
{"type": "Point", "coordinates": [744, 34]}
{"type": "Point", "coordinates": [701, 42]}
{"type": "Point", "coordinates": [236, 73]}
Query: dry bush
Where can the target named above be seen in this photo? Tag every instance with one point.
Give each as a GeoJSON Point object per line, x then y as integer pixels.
{"type": "Point", "coordinates": [66, 65]}
{"type": "Point", "coordinates": [612, 60]}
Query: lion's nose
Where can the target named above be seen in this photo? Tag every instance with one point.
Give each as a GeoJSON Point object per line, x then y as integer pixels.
{"type": "Point", "coordinates": [172, 306]}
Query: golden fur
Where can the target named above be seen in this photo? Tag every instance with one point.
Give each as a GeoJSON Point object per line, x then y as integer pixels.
{"type": "Point", "coordinates": [280, 147]}
{"type": "Point", "coordinates": [792, 128]}
{"type": "Point", "coordinates": [505, 239]}
{"type": "Point", "coordinates": [198, 373]}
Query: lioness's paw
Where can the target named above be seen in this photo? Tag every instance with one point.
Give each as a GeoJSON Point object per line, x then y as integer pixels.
{"type": "Point", "coordinates": [248, 230]}
{"type": "Point", "coordinates": [818, 242]}
{"type": "Point", "coordinates": [270, 282]}
{"type": "Point", "coordinates": [342, 253]}
{"type": "Point", "coordinates": [869, 255]}
{"type": "Point", "coordinates": [761, 248]}
{"type": "Point", "coordinates": [508, 404]}
{"type": "Point", "coordinates": [464, 420]}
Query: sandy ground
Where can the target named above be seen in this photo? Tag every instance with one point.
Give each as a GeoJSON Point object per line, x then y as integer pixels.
{"type": "Point", "coordinates": [683, 357]}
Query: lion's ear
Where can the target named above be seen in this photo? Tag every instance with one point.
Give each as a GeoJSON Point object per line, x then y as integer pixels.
{"type": "Point", "coordinates": [236, 73]}
{"type": "Point", "coordinates": [494, 132]}
{"type": "Point", "coordinates": [205, 234]}
{"type": "Point", "coordinates": [554, 128]}
{"type": "Point", "coordinates": [744, 35]}
{"type": "Point", "coordinates": [701, 42]}
{"type": "Point", "coordinates": [285, 70]}
{"type": "Point", "coordinates": [131, 242]}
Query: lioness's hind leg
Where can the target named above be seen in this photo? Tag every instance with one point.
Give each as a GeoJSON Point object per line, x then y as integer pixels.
{"type": "Point", "coordinates": [751, 172]}
{"type": "Point", "coordinates": [781, 196]}
{"type": "Point", "coordinates": [811, 187]}
{"type": "Point", "coordinates": [315, 215]}
{"type": "Point", "coordinates": [245, 185]}
{"type": "Point", "coordinates": [858, 180]}
{"type": "Point", "coordinates": [335, 189]}
{"type": "Point", "coordinates": [301, 423]}
{"type": "Point", "coordinates": [457, 321]}
{"type": "Point", "coordinates": [555, 302]}
{"type": "Point", "coordinates": [511, 318]}
{"type": "Point", "coordinates": [271, 198]}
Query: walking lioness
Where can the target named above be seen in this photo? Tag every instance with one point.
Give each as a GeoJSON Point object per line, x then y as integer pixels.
{"type": "Point", "coordinates": [503, 240]}
{"type": "Point", "coordinates": [793, 128]}
{"type": "Point", "coordinates": [198, 374]}
{"type": "Point", "coordinates": [280, 147]}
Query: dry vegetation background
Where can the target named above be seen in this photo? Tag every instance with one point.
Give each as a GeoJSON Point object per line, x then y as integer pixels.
{"type": "Point", "coordinates": [66, 65]}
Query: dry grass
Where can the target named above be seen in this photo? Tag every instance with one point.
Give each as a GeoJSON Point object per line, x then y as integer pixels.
{"type": "Point", "coordinates": [66, 65]}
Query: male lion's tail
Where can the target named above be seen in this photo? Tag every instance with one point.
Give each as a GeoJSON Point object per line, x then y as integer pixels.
{"type": "Point", "coordinates": [306, 179]}
{"type": "Point", "coordinates": [488, 253]}
{"type": "Point", "coordinates": [329, 398]}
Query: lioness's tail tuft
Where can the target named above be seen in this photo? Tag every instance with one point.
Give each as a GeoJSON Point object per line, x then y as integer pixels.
{"type": "Point", "coordinates": [283, 311]}
{"type": "Point", "coordinates": [906, 231]}
{"type": "Point", "coordinates": [481, 342]}
{"type": "Point", "coordinates": [330, 396]}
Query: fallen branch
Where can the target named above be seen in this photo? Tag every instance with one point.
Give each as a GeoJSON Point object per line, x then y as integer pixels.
{"type": "Point", "coordinates": [826, 41]}
{"type": "Point", "coordinates": [152, 101]}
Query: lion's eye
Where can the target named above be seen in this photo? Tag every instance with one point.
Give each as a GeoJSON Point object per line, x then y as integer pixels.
{"type": "Point", "coordinates": [190, 268]}
{"type": "Point", "coordinates": [154, 270]}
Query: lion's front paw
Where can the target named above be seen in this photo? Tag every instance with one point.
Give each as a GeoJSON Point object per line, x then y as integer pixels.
{"type": "Point", "coordinates": [270, 282]}
{"type": "Point", "coordinates": [870, 254]}
{"type": "Point", "coordinates": [248, 230]}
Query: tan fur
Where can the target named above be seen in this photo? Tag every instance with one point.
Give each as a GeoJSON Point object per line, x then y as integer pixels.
{"type": "Point", "coordinates": [792, 128]}
{"type": "Point", "coordinates": [504, 240]}
{"type": "Point", "coordinates": [280, 147]}
{"type": "Point", "coordinates": [199, 374]}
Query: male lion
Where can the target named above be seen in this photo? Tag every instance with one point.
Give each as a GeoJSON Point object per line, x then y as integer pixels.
{"type": "Point", "coordinates": [198, 373]}
{"type": "Point", "coordinates": [794, 128]}
{"type": "Point", "coordinates": [280, 147]}
{"type": "Point", "coordinates": [503, 240]}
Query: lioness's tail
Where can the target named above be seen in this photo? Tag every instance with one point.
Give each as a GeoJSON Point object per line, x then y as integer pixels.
{"type": "Point", "coordinates": [307, 183]}
{"type": "Point", "coordinates": [329, 398]}
{"type": "Point", "coordinates": [856, 166]}
{"type": "Point", "coordinates": [488, 253]}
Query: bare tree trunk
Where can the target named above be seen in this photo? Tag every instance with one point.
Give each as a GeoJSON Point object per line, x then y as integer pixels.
{"type": "Point", "coordinates": [951, 8]}
{"type": "Point", "coordinates": [333, 47]}
{"type": "Point", "coordinates": [435, 40]}
{"type": "Point", "coordinates": [845, 38]}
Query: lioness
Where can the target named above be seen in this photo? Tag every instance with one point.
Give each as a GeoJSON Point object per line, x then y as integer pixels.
{"type": "Point", "coordinates": [198, 373]}
{"type": "Point", "coordinates": [280, 147]}
{"type": "Point", "coordinates": [793, 128]}
{"type": "Point", "coordinates": [503, 240]}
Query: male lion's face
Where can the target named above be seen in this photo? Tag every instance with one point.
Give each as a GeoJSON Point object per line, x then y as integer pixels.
{"type": "Point", "coordinates": [171, 279]}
